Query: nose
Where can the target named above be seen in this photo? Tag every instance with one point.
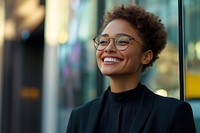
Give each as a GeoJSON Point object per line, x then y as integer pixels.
{"type": "Point", "coordinates": [111, 46]}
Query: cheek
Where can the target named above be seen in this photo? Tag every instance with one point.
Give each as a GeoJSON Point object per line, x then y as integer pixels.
{"type": "Point", "coordinates": [134, 57]}
{"type": "Point", "coordinates": [97, 55]}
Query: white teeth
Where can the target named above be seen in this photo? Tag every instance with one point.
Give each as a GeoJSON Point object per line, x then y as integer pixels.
{"type": "Point", "coordinates": [111, 60]}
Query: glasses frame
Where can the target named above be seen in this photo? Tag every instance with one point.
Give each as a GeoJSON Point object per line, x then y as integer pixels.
{"type": "Point", "coordinates": [96, 44]}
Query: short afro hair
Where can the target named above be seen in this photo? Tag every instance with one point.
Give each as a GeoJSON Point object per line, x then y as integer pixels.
{"type": "Point", "coordinates": [151, 30]}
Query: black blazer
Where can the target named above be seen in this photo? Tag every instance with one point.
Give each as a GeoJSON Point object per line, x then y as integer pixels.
{"type": "Point", "coordinates": [156, 115]}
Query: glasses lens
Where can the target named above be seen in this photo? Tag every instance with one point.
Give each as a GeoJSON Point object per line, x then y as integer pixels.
{"type": "Point", "coordinates": [102, 42]}
{"type": "Point", "coordinates": [122, 42]}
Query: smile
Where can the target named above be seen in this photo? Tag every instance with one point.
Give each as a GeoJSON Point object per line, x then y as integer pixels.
{"type": "Point", "coordinates": [111, 60]}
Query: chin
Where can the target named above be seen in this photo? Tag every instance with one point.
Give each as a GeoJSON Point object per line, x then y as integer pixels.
{"type": "Point", "coordinates": [109, 74]}
{"type": "Point", "coordinates": [106, 73]}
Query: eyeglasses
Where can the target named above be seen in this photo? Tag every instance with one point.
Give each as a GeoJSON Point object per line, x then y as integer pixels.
{"type": "Point", "coordinates": [122, 41]}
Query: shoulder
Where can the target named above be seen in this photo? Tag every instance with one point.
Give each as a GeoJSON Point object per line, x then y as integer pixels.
{"type": "Point", "coordinates": [164, 101]}
{"type": "Point", "coordinates": [177, 111]}
{"type": "Point", "coordinates": [87, 106]}
{"type": "Point", "coordinates": [167, 104]}
{"type": "Point", "coordinates": [82, 114]}
{"type": "Point", "coordinates": [178, 114]}
{"type": "Point", "coordinates": [92, 105]}
{"type": "Point", "coordinates": [173, 105]}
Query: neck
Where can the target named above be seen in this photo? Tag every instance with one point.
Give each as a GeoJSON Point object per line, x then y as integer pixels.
{"type": "Point", "coordinates": [123, 83]}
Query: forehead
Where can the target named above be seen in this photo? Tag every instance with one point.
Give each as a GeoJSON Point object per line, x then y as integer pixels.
{"type": "Point", "coordinates": [119, 26]}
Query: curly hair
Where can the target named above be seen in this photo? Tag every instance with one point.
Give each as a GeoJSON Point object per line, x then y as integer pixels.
{"type": "Point", "coordinates": [151, 30]}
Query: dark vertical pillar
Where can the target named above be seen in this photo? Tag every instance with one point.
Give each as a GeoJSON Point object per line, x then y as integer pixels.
{"type": "Point", "coordinates": [100, 13]}
{"type": "Point", "coordinates": [181, 51]}
{"type": "Point", "coordinates": [7, 91]}
{"type": "Point", "coordinates": [22, 84]}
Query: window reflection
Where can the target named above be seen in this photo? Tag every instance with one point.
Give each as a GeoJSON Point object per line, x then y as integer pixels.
{"type": "Point", "coordinates": [76, 59]}
{"type": "Point", "coordinates": [192, 46]}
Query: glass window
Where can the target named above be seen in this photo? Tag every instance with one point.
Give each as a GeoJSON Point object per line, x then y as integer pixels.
{"type": "Point", "coordinates": [76, 64]}
{"type": "Point", "coordinates": [191, 18]}
{"type": "Point", "coordinates": [163, 76]}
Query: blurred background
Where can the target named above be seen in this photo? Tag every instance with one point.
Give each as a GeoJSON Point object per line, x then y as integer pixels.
{"type": "Point", "coordinates": [48, 65]}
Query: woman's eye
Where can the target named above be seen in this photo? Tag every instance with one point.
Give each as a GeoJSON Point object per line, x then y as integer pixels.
{"type": "Point", "coordinates": [103, 42]}
{"type": "Point", "coordinates": [123, 42]}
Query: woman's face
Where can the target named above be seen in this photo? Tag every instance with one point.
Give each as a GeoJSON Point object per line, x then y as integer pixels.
{"type": "Point", "coordinates": [113, 62]}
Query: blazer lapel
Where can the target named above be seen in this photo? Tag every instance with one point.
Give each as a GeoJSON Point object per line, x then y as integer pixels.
{"type": "Point", "coordinates": [144, 110]}
{"type": "Point", "coordinates": [95, 111]}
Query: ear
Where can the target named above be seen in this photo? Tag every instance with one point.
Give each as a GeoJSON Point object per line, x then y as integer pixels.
{"type": "Point", "coordinates": [147, 57]}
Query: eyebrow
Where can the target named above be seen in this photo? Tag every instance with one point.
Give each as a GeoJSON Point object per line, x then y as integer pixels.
{"type": "Point", "coordinates": [118, 34]}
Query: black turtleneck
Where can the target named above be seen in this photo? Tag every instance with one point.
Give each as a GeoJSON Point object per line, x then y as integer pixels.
{"type": "Point", "coordinates": [119, 111]}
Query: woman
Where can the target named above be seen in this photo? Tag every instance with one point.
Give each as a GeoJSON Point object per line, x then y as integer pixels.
{"type": "Point", "coordinates": [130, 41]}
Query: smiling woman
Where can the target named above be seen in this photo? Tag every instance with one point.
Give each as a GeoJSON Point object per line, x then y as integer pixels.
{"type": "Point", "coordinates": [130, 58]}
{"type": "Point", "coordinates": [127, 105]}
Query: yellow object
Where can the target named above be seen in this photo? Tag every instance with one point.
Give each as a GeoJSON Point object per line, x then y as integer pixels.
{"type": "Point", "coordinates": [192, 84]}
